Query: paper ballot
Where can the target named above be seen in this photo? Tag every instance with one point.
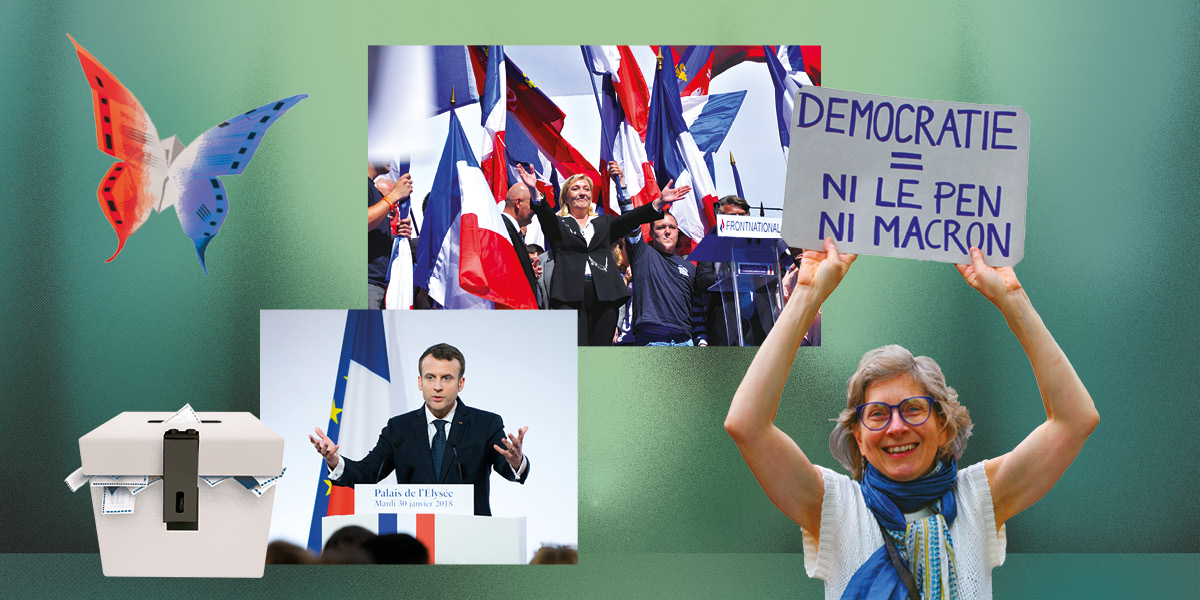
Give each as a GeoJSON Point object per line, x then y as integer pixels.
{"type": "Point", "coordinates": [117, 500]}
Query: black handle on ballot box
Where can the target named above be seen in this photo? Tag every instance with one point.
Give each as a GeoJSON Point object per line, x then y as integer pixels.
{"type": "Point", "coordinates": [181, 491]}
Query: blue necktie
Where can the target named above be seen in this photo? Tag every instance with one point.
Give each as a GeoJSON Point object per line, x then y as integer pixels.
{"type": "Point", "coordinates": [439, 448]}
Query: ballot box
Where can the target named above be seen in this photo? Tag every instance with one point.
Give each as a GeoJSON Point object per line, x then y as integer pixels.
{"type": "Point", "coordinates": [181, 494]}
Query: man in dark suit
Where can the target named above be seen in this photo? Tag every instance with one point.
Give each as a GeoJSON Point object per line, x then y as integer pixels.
{"type": "Point", "coordinates": [517, 216]}
{"type": "Point", "coordinates": [442, 442]}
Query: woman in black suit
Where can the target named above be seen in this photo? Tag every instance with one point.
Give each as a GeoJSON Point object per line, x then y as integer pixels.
{"type": "Point", "coordinates": [586, 277]}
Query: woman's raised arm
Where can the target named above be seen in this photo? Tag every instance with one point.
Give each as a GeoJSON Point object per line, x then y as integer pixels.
{"type": "Point", "coordinates": [1024, 475]}
{"type": "Point", "coordinates": [791, 481]}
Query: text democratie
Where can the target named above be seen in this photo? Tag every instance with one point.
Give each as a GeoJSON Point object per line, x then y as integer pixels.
{"type": "Point", "coordinates": [895, 121]}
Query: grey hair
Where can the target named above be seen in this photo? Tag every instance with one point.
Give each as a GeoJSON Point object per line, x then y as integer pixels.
{"type": "Point", "coordinates": [886, 363]}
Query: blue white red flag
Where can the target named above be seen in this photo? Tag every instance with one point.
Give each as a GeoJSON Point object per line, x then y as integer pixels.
{"type": "Point", "coordinates": [623, 138]}
{"type": "Point", "coordinates": [675, 155]}
{"type": "Point", "coordinates": [785, 94]}
{"type": "Point", "coordinates": [708, 119]}
{"type": "Point", "coordinates": [493, 108]}
{"type": "Point", "coordinates": [361, 407]}
{"type": "Point", "coordinates": [464, 256]}
{"type": "Point", "coordinates": [541, 119]}
{"type": "Point", "coordinates": [453, 78]}
{"type": "Point", "coordinates": [399, 275]}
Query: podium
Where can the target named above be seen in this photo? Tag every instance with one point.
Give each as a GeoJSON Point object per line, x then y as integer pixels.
{"type": "Point", "coordinates": [451, 539]}
{"type": "Point", "coordinates": [452, 535]}
{"type": "Point", "coordinates": [746, 252]}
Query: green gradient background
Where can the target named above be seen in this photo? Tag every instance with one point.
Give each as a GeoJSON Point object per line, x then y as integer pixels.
{"type": "Point", "coordinates": [667, 508]}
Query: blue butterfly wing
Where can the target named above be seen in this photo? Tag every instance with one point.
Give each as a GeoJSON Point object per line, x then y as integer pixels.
{"type": "Point", "coordinates": [194, 188]}
{"type": "Point", "coordinates": [202, 208]}
{"type": "Point", "coordinates": [227, 148]}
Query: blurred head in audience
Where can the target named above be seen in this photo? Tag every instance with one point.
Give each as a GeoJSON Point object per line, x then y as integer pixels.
{"type": "Point", "coordinates": [555, 555]}
{"type": "Point", "coordinates": [350, 536]}
{"type": "Point", "coordinates": [397, 549]}
{"type": "Point", "coordinates": [280, 552]}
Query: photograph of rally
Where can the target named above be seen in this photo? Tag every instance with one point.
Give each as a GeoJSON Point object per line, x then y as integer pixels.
{"type": "Point", "coordinates": [596, 186]}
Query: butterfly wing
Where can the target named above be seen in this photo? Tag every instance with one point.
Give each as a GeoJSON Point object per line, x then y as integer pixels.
{"type": "Point", "coordinates": [202, 207]}
{"type": "Point", "coordinates": [193, 187]}
{"type": "Point", "coordinates": [123, 130]}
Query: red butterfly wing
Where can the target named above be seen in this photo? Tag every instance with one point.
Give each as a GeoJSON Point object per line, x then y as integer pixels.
{"type": "Point", "coordinates": [124, 201]}
{"type": "Point", "coordinates": [123, 130]}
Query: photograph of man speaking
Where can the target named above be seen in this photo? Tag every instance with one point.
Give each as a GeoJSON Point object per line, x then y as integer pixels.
{"type": "Point", "coordinates": [444, 441]}
{"type": "Point", "coordinates": [368, 449]}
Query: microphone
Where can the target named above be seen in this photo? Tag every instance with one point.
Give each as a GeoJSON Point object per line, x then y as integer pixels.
{"type": "Point", "coordinates": [462, 476]}
{"type": "Point", "coordinates": [394, 445]}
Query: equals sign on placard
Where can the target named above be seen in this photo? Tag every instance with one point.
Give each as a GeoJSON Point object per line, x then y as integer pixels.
{"type": "Point", "coordinates": [906, 156]}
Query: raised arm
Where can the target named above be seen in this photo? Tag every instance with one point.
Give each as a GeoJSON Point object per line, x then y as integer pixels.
{"type": "Point", "coordinates": [623, 201]}
{"type": "Point", "coordinates": [627, 222]}
{"type": "Point", "coordinates": [378, 212]}
{"type": "Point", "coordinates": [791, 481]}
{"type": "Point", "coordinates": [541, 207]}
{"type": "Point", "coordinates": [1023, 476]}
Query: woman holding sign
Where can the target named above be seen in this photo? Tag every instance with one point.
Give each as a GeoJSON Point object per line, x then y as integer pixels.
{"type": "Point", "coordinates": [907, 523]}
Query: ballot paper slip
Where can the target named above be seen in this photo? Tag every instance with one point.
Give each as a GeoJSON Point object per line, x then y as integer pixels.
{"type": "Point", "coordinates": [162, 521]}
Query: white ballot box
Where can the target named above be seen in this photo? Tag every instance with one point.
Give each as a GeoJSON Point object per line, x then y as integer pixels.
{"type": "Point", "coordinates": [181, 494]}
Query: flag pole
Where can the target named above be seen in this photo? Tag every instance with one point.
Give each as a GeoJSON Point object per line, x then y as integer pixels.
{"type": "Point", "coordinates": [737, 179]}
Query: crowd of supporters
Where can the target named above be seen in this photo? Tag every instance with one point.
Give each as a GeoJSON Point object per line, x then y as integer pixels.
{"type": "Point", "coordinates": [626, 275]}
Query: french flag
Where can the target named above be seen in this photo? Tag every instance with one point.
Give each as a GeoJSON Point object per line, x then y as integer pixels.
{"type": "Point", "coordinates": [540, 118]}
{"type": "Point", "coordinates": [400, 286]}
{"type": "Point", "coordinates": [624, 113]}
{"type": "Point", "coordinates": [675, 155]}
{"type": "Point", "coordinates": [627, 81]}
{"type": "Point", "coordinates": [492, 106]}
{"type": "Point", "coordinates": [522, 151]}
{"type": "Point", "coordinates": [708, 119]}
{"type": "Point", "coordinates": [785, 95]}
{"type": "Point", "coordinates": [361, 407]}
{"type": "Point", "coordinates": [464, 256]}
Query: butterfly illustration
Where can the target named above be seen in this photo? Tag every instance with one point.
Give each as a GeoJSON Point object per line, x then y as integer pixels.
{"type": "Point", "coordinates": [154, 173]}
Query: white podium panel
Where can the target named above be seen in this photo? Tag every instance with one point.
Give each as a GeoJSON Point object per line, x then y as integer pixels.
{"type": "Point", "coordinates": [451, 539]}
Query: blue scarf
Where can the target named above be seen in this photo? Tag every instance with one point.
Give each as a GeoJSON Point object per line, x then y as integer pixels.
{"type": "Point", "coordinates": [877, 579]}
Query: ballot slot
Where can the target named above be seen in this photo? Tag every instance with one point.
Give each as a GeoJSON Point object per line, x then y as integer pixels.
{"type": "Point", "coordinates": [181, 491]}
{"type": "Point", "coordinates": [161, 420]}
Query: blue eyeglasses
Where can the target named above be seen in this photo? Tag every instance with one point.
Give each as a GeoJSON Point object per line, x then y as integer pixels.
{"type": "Point", "coordinates": [877, 415]}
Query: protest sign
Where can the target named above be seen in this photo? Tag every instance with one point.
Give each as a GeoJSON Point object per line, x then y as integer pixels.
{"type": "Point", "coordinates": [909, 178]}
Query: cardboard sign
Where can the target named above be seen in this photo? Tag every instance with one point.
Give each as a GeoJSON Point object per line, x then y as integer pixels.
{"type": "Point", "coordinates": [909, 178]}
{"type": "Point", "coordinates": [456, 499]}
